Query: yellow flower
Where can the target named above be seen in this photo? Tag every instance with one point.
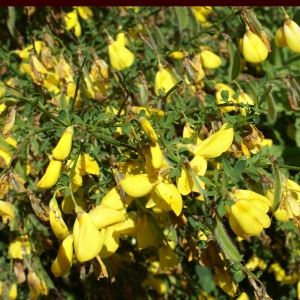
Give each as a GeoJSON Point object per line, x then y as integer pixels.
{"type": "Point", "coordinates": [163, 80]}
{"type": "Point", "coordinates": [63, 148]}
{"type": "Point", "coordinates": [177, 55]}
{"type": "Point", "coordinates": [120, 57]}
{"type": "Point", "coordinates": [243, 296]}
{"type": "Point", "coordinates": [254, 261]}
{"type": "Point", "coordinates": [6, 211]}
{"type": "Point", "coordinates": [159, 286]}
{"type": "Point", "coordinates": [17, 247]}
{"type": "Point", "coordinates": [248, 216]}
{"type": "Point", "coordinates": [201, 12]}
{"type": "Point", "coordinates": [88, 240]}
{"type": "Point", "coordinates": [224, 281]}
{"type": "Point", "coordinates": [35, 285]}
{"type": "Point", "coordinates": [223, 87]}
{"type": "Point", "coordinates": [253, 48]}
{"type": "Point", "coordinates": [63, 260]}
{"type": "Point", "coordinates": [153, 111]}
{"type": "Point", "coordinates": [89, 165]}
{"type": "Point", "coordinates": [57, 223]}
{"type": "Point", "coordinates": [13, 292]}
{"type": "Point", "coordinates": [84, 12]}
{"type": "Point", "coordinates": [24, 54]}
{"type": "Point", "coordinates": [167, 257]}
{"type": "Point", "coordinates": [278, 271]}
{"type": "Point", "coordinates": [51, 176]}
{"type": "Point", "coordinates": [292, 35]}
{"type": "Point", "coordinates": [113, 199]}
{"type": "Point", "coordinates": [71, 20]}
{"type": "Point", "coordinates": [210, 60]}
{"type": "Point", "coordinates": [215, 144]}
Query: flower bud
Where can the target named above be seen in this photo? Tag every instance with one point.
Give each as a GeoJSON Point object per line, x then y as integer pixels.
{"type": "Point", "coordinates": [51, 176]}
{"type": "Point", "coordinates": [177, 55]}
{"type": "Point", "coordinates": [253, 48]}
{"type": "Point", "coordinates": [120, 57]}
{"type": "Point", "coordinates": [210, 60]}
{"type": "Point", "coordinates": [63, 148]}
{"type": "Point", "coordinates": [292, 35]}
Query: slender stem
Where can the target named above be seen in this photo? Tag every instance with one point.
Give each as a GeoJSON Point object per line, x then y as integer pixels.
{"type": "Point", "coordinates": [20, 148]}
{"type": "Point", "coordinates": [286, 16]}
{"type": "Point", "coordinates": [127, 94]}
{"type": "Point", "coordinates": [163, 141]}
{"type": "Point", "coordinates": [43, 110]}
{"type": "Point", "coordinates": [77, 86]}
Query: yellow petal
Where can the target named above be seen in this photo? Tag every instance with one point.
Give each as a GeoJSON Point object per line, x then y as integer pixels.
{"type": "Point", "coordinates": [113, 199]}
{"type": "Point", "coordinates": [171, 195]}
{"type": "Point", "coordinates": [17, 246]}
{"type": "Point", "coordinates": [138, 185]}
{"type": "Point", "coordinates": [6, 211]}
{"type": "Point", "coordinates": [63, 148]}
{"type": "Point", "coordinates": [215, 144]}
{"type": "Point", "coordinates": [129, 227]}
{"type": "Point", "coordinates": [90, 165]}
{"type": "Point", "coordinates": [111, 242]}
{"type": "Point", "coordinates": [71, 19]}
{"type": "Point", "coordinates": [251, 219]}
{"type": "Point", "coordinates": [63, 260]}
{"type": "Point", "coordinates": [184, 182]}
{"type": "Point", "coordinates": [163, 80]}
{"type": "Point", "coordinates": [52, 174]}
{"type": "Point", "coordinates": [280, 39]}
{"type": "Point", "coordinates": [254, 50]}
{"type": "Point", "coordinates": [84, 12]}
{"type": "Point", "coordinates": [103, 216]}
{"type": "Point", "coordinates": [120, 57]}
{"type": "Point", "coordinates": [210, 60]}
{"type": "Point", "coordinates": [147, 234]}
{"type": "Point", "coordinates": [148, 129]}
{"type": "Point", "coordinates": [88, 240]}
{"type": "Point", "coordinates": [292, 35]}
{"type": "Point", "coordinates": [223, 87]}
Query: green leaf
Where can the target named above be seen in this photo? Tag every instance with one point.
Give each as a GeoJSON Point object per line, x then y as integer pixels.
{"type": "Point", "coordinates": [126, 128]}
{"type": "Point", "coordinates": [182, 16]}
{"type": "Point", "coordinates": [277, 187]}
{"type": "Point", "coordinates": [239, 168]}
{"type": "Point", "coordinates": [209, 99]}
{"type": "Point", "coordinates": [225, 95]}
{"type": "Point", "coordinates": [192, 222]}
{"type": "Point", "coordinates": [272, 109]}
{"type": "Point", "coordinates": [235, 61]}
{"type": "Point", "coordinates": [158, 36]}
{"type": "Point", "coordinates": [263, 82]}
{"type": "Point", "coordinates": [77, 119]}
{"type": "Point", "coordinates": [238, 276]}
{"type": "Point", "coordinates": [226, 166]}
{"type": "Point", "coordinates": [205, 278]}
{"type": "Point", "coordinates": [221, 209]}
{"type": "Point", "coordinates": [174, 173]}
{"type": "Point", "coordinates": [11, 21]}
{"type": "Point", "coordinates": [62, 115]}
{"type": "Point", "coordinates": [206, 180]}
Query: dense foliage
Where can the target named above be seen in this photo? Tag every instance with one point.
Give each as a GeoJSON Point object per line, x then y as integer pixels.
{"type": "Point", "coordinates": [149, 152]}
